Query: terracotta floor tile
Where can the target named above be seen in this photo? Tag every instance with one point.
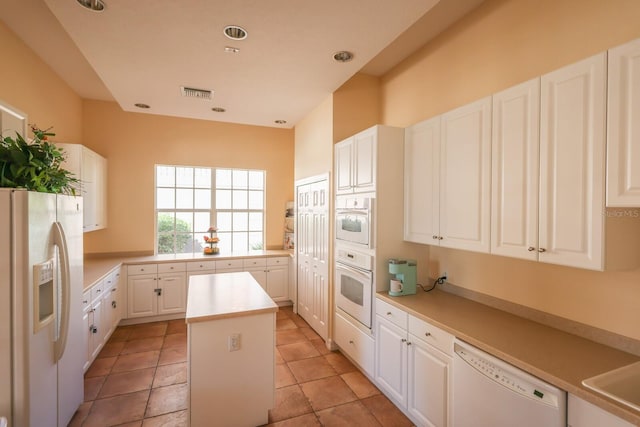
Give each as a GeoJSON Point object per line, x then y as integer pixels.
{"type": "Point", "coordinates": [320, 345]}
{"type": "Point", "coordinates": [289, 336]}
{"type": "Point", "coordinates": [121, 334]}
{"type": "Point", "coordinates": [178, 326]}
{"type": "Point", "coordinates": [327, 392]}
{"type": "Point", "coordinates": [92, 386]}
{"type": "Point", "coordinates": [307, 420]}
{"type": "Point", "coordinates": [127, 382]}
{"type": "Point", "coordinates": [340, 363]}
{"type": "Point", "coordinates": [386, 412]}
{"type": "Point", "coordinates": [174, 419]}
{"type": "Point", "coordinates": [170, 375]}
{"type": "Point", "coordinates": [297, 351]}
{"type": "Point", "coordinates": [133, 361]}
{"type": "Point", "coordinates": [101, 367]}
{"type": "Point", "coordinates": [111, 348]}
{"type": "Point", "coordinates": [299, 321]}
{"type": "Point", "coordinates": [117, 410]}
{"type": "Point", "coordinates": [290, 402]}
{"type": "Point", "coordinates": [282, 314]}
{"type": "Point", "coordinates": [287, 323]}
{"type": "Point", "coordinates": [168, 399]}
{"type": "Point", "coordinates": [310, 333]}
{"type": "Point", "coordinates": [352, 414]}
{"type": "Point", "coordinates": [148, 330]}
{"type": "Point", "coordinates": [81, 414]}
{"type": "Point", "coordinates": [279, 359]}
{"type": "Point", "coordinates": [131, 424]}
{"type": "Point", "coordinates": [173, 355]}
{"type": "Point", "coordinates": [311, 369]}
{"type": "Point", "coordinates": [175, 340]}
{"type": "Point", "coordinates": [144, 344]}
{"type": "Point", "coordinates": [284, 377]}
{"type": "Point", "coordinates": [360, 384]}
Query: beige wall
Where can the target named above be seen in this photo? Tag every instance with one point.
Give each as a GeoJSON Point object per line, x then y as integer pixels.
{"type": "Point", "coordinates": [356, 106]}
{"type": "Point", "coordinates": [314, 141]}
{"type": "Point", "coordinates": [28, 84]}
{"type": "Point", "coordinates": [134, 142]}
{"type": "Point", "coordinates": [500, 44]}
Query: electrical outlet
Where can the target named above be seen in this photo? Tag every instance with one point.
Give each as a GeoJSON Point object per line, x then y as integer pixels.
{"type": "Point", "coordinates": [234, 342]}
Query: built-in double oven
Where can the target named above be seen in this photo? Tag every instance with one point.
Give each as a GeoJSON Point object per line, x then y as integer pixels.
{"type": "Point", "coordinates": [354, 278]}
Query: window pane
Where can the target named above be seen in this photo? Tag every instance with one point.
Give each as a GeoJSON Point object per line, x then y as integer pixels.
{"type": "Point", "coordinates": [165, 176]}
{"type": "Point", "coordinates": [223, 178]}
{"type": "Point", "coordinates": [255, 241]}
{"type": "Point", "coordinates": [240, 221]}
{"type": "Point", "coordinates": [202, 177]}
{"type": "Point", "coordinates": [225, 242]}
{"type": "Point", "coordinates": [198, 243]}
{"type": "Point", "coordinates": [239, 199]}
{"type": "Point", "coordinates": [184, 222]}
{"type": "Point", "coordinates": [165, 243]}
{"type": "Point", "coordinates": [184, 198]}
{"type": "Point", "coordinates": [256, 199]}
{"type": "Point", "coordinates": [184, 243]}
{"type": "Point", "coordinates": [184, 177]}
{"type": "Point", "coordinates": [223, 222]}
{"type": "Point", "coordinates": [256, 180]}
{"type": "Point", "coordinates": [201, 222]}
{"type": "Point", "coordinates": [240, 241]}
{"type": "Point", "coordinates": [255, 221]}
{"type": "Point", "coordinates": [223, 199]}
{"type": "Point", "coordinates": [165, 198]}
{"type": "Point", "coordinates": [240, 178]}
{"type": "Point", "coordinates": [203, 199]}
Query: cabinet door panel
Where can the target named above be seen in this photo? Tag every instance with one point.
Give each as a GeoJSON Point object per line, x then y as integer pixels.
{"type": "Point", "coordinates": [623, 130]}
{"type": "Point", "coordinates": [572, 150]}
{"type": "Point", "coordinates": [465, 154]}
{"type": "Point", "coordinates": [515, 171]}
{"type": "Point", "coordinates": [142, 299]}
{"type": "Point", "coordinates": [343, 171]}
{"type": "Point", "coordinates": [391, 360]}
{"type": "Point", "coordinates": [277, 282]}
{"type": "Point", "coordinates": [428, 396]}
{"type": "Point", "coordinates": [365, 160]}
{"type": "Point", "coordinates": [173, 296]}
{"type": "Point", "coordinates": [422, 182]}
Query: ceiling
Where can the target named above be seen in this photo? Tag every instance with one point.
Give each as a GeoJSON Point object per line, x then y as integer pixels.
{"type": "Point", "coordinates": [144, 51]}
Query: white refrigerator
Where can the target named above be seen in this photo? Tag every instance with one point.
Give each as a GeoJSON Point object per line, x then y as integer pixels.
{"type": "Point", "coordinates": [41, 334]}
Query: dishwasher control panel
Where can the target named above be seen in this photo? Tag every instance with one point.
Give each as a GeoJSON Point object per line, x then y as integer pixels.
{"type": "Point", "coordinates": [517, 382]}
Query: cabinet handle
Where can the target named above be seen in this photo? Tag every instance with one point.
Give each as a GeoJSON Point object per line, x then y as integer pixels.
{"type": "Point", "coordinates": [440, 238]}
{"type": "Point", "coordinates": [531, 249]}
{"type": "Point", "coordinates": [98, 290]}
{"type": "Point", "coordinates": [93, 329]}
{"type": "Point", "coordinates": [351, 342]}
{"type": "Point", "coordinates": [434, 237]}
{"type": "Point", "coordinates": [408, 342]}
{"type": "Point", "coordinates": [427, 334]}
{"type": "Point", "coordinates": [542, 250]}
{"type": "Point", "coordinates": [84, 301]}
{"type": "Point", "coordinates": [389, 313]}
{"type": "Point", "coordinates": [404, 340]}
{"type": "Point", "coordinates": [158, 291]}
{"type": "Point", "coordinates": [113, 289]}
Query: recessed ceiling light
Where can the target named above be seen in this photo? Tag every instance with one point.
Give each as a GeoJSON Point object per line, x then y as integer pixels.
{"type": "Point", "coordinates": [343, 56]}
{"type": "Point", "coordinates": [235, 33]}
{"type": "Point", "coordinates": [218, 109]}
{"type": "Point", "coordinates": [93, 5]}
{"type": "Point", "coordinates": [139, 105]}
{"type": "Point", "coordinates": [280, 122]}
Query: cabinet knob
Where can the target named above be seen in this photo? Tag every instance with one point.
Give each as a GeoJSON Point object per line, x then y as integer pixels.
{"type": "Point", "coordinates": [434, 237]}
{"type": "Point", "coordinates": [531, 249]}
{"type": "Point", "coordinates": [427, 334]}
{"type": "Point", "coordinates": [440, 238]}
{"type": "Point", "coordinates": [113, 304]}
{"type": "Point", "coordinates": [388, 313]}
{"type": "Point", "coordinates": [404, 340]}
{"type": "Point", "coordinates": [542, 250]}
{"type": "Point", "coordinates": [408, 342]}
{"type": "Point", "coordinates": [350, 341]}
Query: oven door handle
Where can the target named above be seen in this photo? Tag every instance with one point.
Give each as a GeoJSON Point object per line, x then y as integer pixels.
{"type": "Point", "coordinates": [355, 212]}
{"type": "Point", "coordinates": [354, 270]}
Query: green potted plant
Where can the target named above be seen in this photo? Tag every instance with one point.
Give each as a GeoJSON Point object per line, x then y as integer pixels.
{"type": "Point", "coordinates": [35, 165]}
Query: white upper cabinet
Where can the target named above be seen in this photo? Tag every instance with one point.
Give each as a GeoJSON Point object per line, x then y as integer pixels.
{"type": "Point", "coordinates": [623, 127]}
{"type": "Point", "coordinates": [465, 177]}
{"type": "Point", "coordinates": [422, 182]}
{"type": "Point", "coordinates": [344, 166]}
{"type": "Point", "coordinates": [572, 158]}
{"type": "Point", "coordinates": [515, 171]}
{"type": "Point", "coordinates": [355, 162]}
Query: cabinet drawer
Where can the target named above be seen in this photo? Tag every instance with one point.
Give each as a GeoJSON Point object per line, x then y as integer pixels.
{"type": "Point", "coordinates": [254, 262]}
{"type": "Point", "coordinates": [201, 266]}
{"type": "Point", "coordinates": [97, 290]}
{"type": "Point", "coordinates": [171, 267]}
{"type": "Point", "coordinates": [281, 260]}
{"type": "Point", "coordinates": [86, 300]}
{"type": "Point", "coordinates": [391, 313]}
{"type": "Point", "coordinates": [229, 264]}
{"type": "Point", "coordinates": [432, 335]}
{"type": "Point", "coordinates": [355, 343]}
{"type": "Point", "coordinates": [133, 270]}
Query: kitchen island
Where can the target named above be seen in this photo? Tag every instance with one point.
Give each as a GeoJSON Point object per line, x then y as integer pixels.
{"type": "Point", "coordinates": [231, 350]}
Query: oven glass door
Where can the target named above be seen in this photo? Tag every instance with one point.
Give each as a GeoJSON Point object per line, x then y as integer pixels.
{"type": "Point", "coordinates": [354, 289]}
{"type": "Point", "coordinates": [354, 227]}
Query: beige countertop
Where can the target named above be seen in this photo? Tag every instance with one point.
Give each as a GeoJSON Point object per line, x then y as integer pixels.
{"type": "Point", "coordinates": [224, 295]}
{"type": "Point", "coordinates": [557, 357]}
{"type": "Point", "coordinates": [97, 268]}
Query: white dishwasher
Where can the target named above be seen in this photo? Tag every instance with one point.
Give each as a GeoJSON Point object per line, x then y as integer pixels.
{"type": "Point", "coordinates": [488, 392]}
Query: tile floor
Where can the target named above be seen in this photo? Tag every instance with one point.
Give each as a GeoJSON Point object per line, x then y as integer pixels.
{"type": "Point", "coordinates": [140, 379]}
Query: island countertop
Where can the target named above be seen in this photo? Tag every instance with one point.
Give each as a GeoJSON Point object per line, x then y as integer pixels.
{"type": "Point", "coordinates": [224, 295]}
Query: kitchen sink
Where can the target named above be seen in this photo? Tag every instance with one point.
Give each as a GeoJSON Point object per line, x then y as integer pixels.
{"type": "Point", "coordinates": [622, 385]}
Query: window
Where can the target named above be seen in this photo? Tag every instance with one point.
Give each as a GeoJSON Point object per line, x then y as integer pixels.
{"type": "Point", "coordinates": [191, 199]}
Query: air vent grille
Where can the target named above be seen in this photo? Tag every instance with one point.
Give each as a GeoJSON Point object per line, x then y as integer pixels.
{"type": "Point", "coordinates": [190, 92]}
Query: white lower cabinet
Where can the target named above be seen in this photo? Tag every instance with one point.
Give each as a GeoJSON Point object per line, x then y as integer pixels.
{"type": "Point", "coordinates": [412, 365]}
{"type": "Point", "coordinates": [272, 274]}
{"type": "Point", "coordinates": [581, 413]}
{"type": "Point", "coordinates": [357, 344]}
{"type": "Point", "coordinates": [155, 290]}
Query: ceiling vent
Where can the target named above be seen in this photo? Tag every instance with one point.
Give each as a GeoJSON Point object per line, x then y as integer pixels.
{"type": "Point", "coordinates": [190, 92]}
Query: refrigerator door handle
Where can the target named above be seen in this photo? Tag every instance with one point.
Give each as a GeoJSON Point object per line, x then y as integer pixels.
{"type": "Point", "coordinates": [60, 241]}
